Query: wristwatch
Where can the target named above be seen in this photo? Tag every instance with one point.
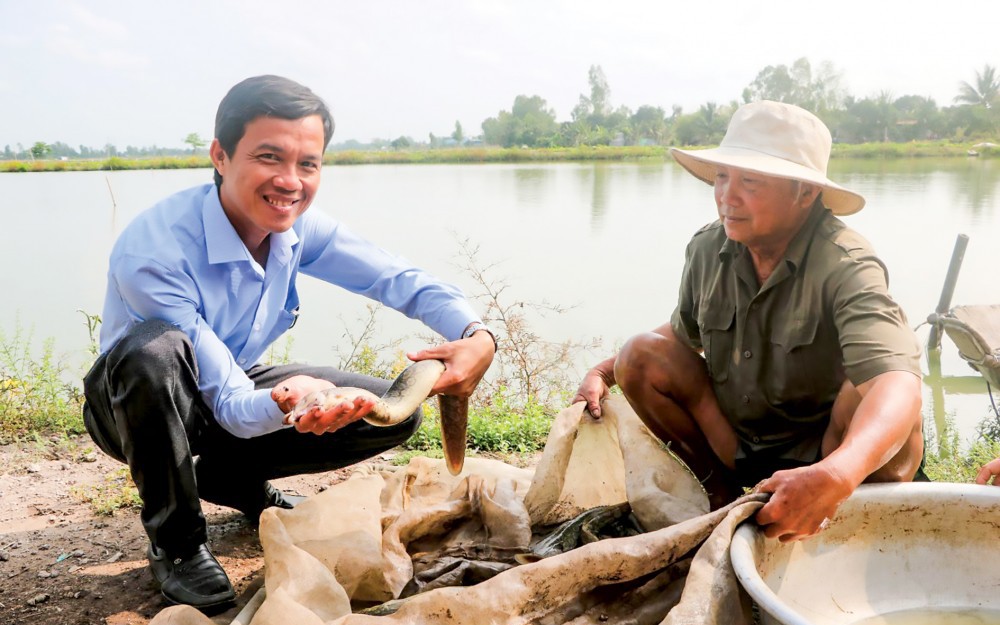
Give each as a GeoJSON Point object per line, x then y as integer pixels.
{"type": "Point", "coordinates": [476, 326]}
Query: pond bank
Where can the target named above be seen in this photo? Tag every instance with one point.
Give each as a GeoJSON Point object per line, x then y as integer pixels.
{"type": "Point", "coordinates": [498, 155]}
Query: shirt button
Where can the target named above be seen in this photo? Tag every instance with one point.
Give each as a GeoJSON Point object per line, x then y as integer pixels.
{"type": "Point", "coordinates": [243, 361]}
{"type": "Point", "coordinates": [748, 354]}
{"type": "Point", "coordinates": [256, 327]}
{"type": "Point", "coordinates": [745, 399]}
{"type": "Point", "coordinates": [756, 439]}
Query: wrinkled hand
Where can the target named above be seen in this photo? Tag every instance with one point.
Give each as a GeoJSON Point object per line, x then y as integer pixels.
{"type": "Point", "coordinates": [465, 361]}
{"type": "Point", "coordinates": [593, 389]}
{"type": "Point", "coordinates": [318, 420]}
{"type": "Point", "coordinates": [801, 500]}
{"type": "Point", "coordinates": [989, 472]}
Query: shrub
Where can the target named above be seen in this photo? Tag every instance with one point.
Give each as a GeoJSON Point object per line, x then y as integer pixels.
{"type": "Point", "coordinates": [33, 396]}
{"type": "Point", "coordinates": [503, 426]}
{"type": "Point", "coordinates": [946, 461]}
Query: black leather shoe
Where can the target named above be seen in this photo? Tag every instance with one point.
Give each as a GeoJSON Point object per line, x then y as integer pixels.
{"type": "Point", "coordinates": [279, 498]}
{"type": "Point", "coordinates": [272, 497]}
{"type": "Point", "coordinates": [196, 580]}
{"type": "Point", "coordinates": [251, 501]}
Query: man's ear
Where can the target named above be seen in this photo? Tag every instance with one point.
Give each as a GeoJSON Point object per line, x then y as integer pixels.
{"type": "Point", "coordinates": [217, 154]}
{"type": "Point", "coordinates": [808, 193]}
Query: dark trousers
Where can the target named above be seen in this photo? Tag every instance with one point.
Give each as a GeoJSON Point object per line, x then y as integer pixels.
{"type": "Point", "coordinates": [143, 407]}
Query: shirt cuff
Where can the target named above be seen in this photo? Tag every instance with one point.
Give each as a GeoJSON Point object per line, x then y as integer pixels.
{"type": "Point", "coordinates": [272, 418]}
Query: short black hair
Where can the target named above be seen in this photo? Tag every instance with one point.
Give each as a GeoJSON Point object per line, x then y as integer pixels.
{"type": "Point", "coordinates": [266, 96]}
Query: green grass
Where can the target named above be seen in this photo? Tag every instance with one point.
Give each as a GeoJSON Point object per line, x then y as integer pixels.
{"type": "Point", "coordinates": [946, 461]}
{"type": "Point", "coordinates": [492, 154]}
{"type": "Point", "coordinates": [108, 164]}
{"type": "Point", "coordinates": [362, 157]}
{"type": "Point", "coordinates": [34, 397]}
{"type": "Point", "coordinates": [495, 155]}
{"type": "Point", "coordinates": [502, 426]}
{"type": "Point", "coordinates": [913, 149]}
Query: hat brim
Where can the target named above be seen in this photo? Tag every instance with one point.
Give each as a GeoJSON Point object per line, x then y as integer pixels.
{"type": "Point", "coordinates": [703, 165]}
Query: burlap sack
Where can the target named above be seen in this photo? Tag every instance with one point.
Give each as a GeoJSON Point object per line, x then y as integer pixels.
{"type": "Point", "coordinates": [354, 542]}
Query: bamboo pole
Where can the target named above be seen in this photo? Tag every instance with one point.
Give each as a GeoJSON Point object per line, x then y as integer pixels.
{"type": "Point", "coordinates": [944, 304]}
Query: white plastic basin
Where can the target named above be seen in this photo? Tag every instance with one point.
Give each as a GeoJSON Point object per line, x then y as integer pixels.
{"type": "Point", "coordinates": [895, 553]}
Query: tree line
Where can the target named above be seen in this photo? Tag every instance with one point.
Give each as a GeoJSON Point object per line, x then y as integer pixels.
{"type": "Point", "coordinates": [41, 150]}
{"type": "Point", "coordinates": [974, 114]}
{"type": "Point", "coordinates": [883, 117]}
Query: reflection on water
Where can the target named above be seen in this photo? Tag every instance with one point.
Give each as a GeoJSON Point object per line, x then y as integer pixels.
{"type": "Point", "coordinates": [595, 180]}
{"type": "Point", "coordinates": [971, 184]}
{"type": "Point", "coordinates": [979, 186]}
{"type": "Point", "coordinates": [599, 194]}
{"type": "Point", "coordinates": [944, 386]}
{"type": "Point", "coordinates": [530, 183]}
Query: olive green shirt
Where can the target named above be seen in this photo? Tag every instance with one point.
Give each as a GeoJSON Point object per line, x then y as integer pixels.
{"type": "Point", "coordinates": [778, 353]}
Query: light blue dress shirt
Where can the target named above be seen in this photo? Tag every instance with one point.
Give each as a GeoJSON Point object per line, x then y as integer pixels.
{"type": "Point", "coordinates": [183, 262]}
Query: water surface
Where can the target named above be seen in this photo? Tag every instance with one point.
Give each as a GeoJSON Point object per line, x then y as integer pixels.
{"type": "Point", "coordinates": [605, 240]}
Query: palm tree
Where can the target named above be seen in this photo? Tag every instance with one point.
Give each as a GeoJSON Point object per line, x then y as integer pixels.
{"type": "Point", "coordinates": [985, 93]}
{"type": "Point", "coordinates": [712, 122]}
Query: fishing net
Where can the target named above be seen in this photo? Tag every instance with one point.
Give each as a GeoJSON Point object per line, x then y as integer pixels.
{"type": "Point", "coordinates": [418, 545]}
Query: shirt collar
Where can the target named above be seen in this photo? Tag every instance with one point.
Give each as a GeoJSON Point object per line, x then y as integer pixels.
{"type": "Point", "coordinates": [282, 244]}
{"type": "Point", "coordinates": [796, 249]}
{"type": "Point", "coordinates": [799, 246]}
{"type": "Point", "coordinates": [224, 244]}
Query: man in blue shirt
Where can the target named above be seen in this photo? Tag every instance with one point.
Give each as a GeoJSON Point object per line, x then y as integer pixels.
{"type": "Point", "coordinates": [198, 287]}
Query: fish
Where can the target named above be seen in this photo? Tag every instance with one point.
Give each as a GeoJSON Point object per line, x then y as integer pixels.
{"type": "Point", "coordinates": [410, 388]}
{"type": "Point", "coordinates": [584, 528]}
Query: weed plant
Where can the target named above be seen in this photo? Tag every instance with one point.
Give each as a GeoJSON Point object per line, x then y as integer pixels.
{"type": "Point", "coordinates": [34, 398]}
{"type": "Point", "coordinates": [946, 461]}
{"type": "Point", "coordinates": [117, 491]}
{"type": "Point", "coordinates": [365, 356]}
{"type": "Point", "coordinates": [527, 369]}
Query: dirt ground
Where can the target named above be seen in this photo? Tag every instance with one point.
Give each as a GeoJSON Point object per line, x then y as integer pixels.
{"type": "Point", "coordinates": [60, 563]}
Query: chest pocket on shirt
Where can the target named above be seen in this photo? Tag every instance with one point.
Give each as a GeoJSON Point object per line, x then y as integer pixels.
{"type": "Point", "coordinates": [716, 325]}
{"type": "Point", "coordinates": [286, 321]}
{"type": "Point", "coordinates": [795, 333]}
{"type": "Point", "coordinates": [796, 364]}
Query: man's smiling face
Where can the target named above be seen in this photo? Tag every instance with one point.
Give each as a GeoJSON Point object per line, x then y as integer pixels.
{"type": "Point", "coordinates": [272, 175]}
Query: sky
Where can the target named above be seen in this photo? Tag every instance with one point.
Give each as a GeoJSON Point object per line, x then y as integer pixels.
{"type": "Point", "coordinates": [142, 73]}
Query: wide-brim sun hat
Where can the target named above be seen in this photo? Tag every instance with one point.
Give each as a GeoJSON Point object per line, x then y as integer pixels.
{"type": "Point", "coordinates": [775, 139]}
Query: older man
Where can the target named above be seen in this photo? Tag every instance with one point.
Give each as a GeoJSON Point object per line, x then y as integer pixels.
{"type": "Point", "coordinates": [809, 382]}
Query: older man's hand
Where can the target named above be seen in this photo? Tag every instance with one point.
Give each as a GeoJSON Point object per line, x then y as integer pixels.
{"type": "Point", "coordinates": [593, 389]}
{"type": "Point", "coordinates": [801, 500]}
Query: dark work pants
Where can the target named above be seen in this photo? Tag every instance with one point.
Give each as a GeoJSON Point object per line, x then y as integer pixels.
{"type": "Point", "coordinates": [143, 407]}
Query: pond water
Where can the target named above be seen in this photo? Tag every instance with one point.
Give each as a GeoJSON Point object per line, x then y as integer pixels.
{"type": "Point", "coordinates": [605, 240]}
